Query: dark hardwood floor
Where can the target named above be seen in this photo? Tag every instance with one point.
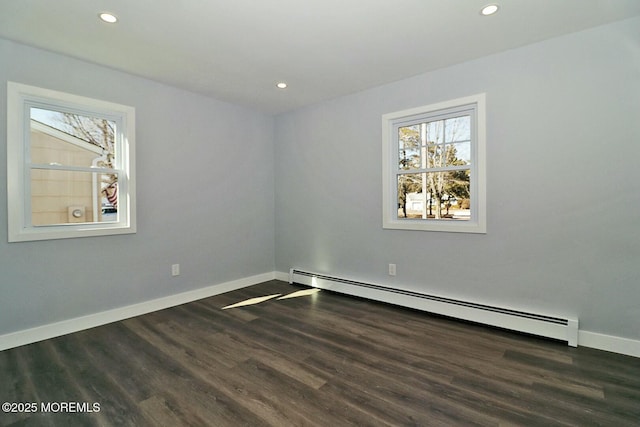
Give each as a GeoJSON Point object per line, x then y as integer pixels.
{"type": "Point", "coordinates": [318, 360]}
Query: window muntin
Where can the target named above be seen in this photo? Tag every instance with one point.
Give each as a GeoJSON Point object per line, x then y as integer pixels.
{"type": "Point", "coordinates": [434, 167]}
{"type": "Point", "coordinates": [70, 165]}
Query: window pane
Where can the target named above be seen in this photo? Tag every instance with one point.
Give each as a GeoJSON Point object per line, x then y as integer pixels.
{"type": "Point", "coordinates": [66, 197]}
{"type": "Point", "coordinates": [409, 137]}
{"type": "Point", "coordinates": [410, 196]}
{"type": "Point", "coordinates": [458, 129]}
{"type": "Point", "coordinates": [435, 156]}
{"type": "Point", "coordinates": [409, 159]}
{"type": "Point", "coordinates": [459, 154]}
{"type": "Point", "coordinates": [435, 132]}
{"type": "Point", "coordinates": [435, 195]}
{"type": "Point", "coordinates": [58, 138]}
{"type": "Point", "coordinates": [409, 147]}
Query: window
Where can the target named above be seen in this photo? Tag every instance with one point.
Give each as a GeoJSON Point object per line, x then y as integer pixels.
{"type": "Point", "coordinates": [70, 165]}
{"type": "Point", "coordinates": [434, 167]}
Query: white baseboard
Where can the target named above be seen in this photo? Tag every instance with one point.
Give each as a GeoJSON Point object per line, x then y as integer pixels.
{"type": "Point", "coordinates": [279, 275]}
{"type": "Point", "coordinates": [39, 333]}
{"type": "Point", "coordinates": [598, 341]}
{"type": "Point", "coordinates": [609, 343]}
{"type": "Point", "coordinates": [15, 339]}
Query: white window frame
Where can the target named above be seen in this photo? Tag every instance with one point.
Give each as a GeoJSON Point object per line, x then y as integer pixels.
{"type": "Point", "coordinates": [20, 99]}
{"type": "Point", "coordinates": [391, 122]}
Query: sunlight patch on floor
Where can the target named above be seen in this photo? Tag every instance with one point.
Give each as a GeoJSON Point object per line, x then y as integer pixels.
{"type": "Point", "coordinates": [251, 301]}
{"type": "Point", "coordinates": [302, 293]}
{"type": "Point", "coordinates": [258, 300]}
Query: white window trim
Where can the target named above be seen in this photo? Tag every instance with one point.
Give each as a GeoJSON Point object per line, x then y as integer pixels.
{"type": "Point", "coordinates": [390, 218]}
{"type": "Point", "coordinates": [19, 99]}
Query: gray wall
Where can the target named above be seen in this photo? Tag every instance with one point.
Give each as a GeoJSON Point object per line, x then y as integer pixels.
{"type": "Point", "coordinates": [563, 184]}
{"type": "Point", "coordinates": [204, 199]}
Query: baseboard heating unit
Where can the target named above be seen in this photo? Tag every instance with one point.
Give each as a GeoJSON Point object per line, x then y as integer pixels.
{"type": "Point", "coordinates": [564, 329]}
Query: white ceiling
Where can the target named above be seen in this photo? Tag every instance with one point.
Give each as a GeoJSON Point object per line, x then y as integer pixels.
{"type": "Point", "coordinates": [236, 50]}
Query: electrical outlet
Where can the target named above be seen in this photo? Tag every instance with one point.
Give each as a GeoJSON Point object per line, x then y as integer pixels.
{"type": "Point", "coordinates": [392, 269]}
{"type": "Point", "coordinates": [175, 270]}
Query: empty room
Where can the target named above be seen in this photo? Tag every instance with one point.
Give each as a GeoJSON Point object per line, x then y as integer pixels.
{"type": "Point", "coordinates": [320, 213]}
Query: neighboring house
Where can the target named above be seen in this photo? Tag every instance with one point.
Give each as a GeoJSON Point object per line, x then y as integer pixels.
{"type": "Point", "coordinates": [60, 196]}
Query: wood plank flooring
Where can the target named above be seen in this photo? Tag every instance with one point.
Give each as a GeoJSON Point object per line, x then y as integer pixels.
{"type": "Point", "coordinates": [314, 360]}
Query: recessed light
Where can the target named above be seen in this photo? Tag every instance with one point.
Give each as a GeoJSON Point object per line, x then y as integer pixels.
{"type": "Point", "coordinates": [108, 17]}
{"type": "Point", "coordinates": [281, 85]}
{"type": "Point", "coordinates": [489, 9]}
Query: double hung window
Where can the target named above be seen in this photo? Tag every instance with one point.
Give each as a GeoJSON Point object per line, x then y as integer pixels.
{"type": "Point", "coordinates": [433, 167]}
{"type": "Point", "coordinates": [70, 165]}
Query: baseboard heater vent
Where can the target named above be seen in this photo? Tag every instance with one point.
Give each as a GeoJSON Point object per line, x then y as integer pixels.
{"type": "Point", "coordinates": [559, 328]}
